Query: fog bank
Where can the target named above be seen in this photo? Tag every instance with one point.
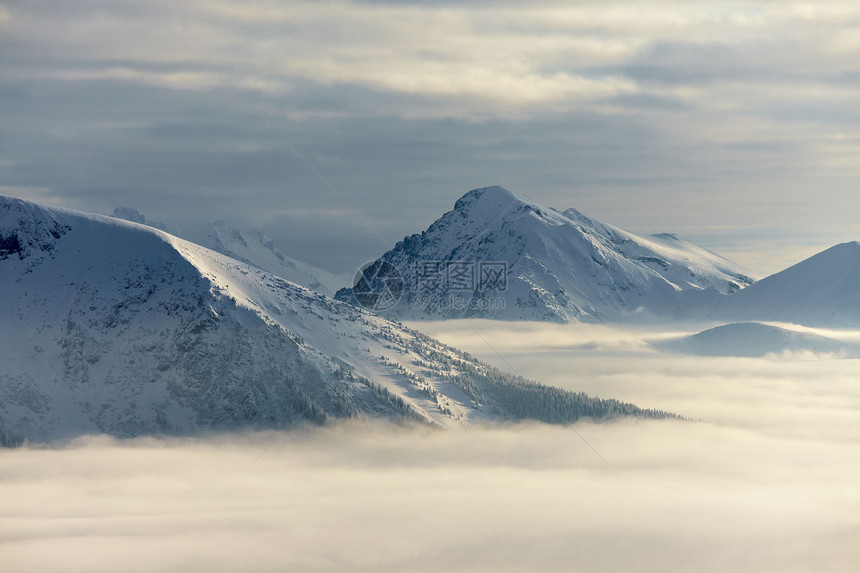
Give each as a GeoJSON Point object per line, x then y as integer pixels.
{"type": "Point", "coordinates": [766, 483]}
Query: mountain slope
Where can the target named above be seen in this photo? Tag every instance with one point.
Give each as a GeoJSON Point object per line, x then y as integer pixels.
{"type": "Point", "coordinates": [823, 290]}
{"type": "Point", "coordinates": [249, 246]}
{"type": "Point", "coordinates": [559, 266]}
{"type": "Point", "coordinates": [755, 339]}
{"type": "Point", "coordinates": [110, 326]}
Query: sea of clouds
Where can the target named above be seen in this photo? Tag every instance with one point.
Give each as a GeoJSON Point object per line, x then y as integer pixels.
{"type": "Point", "coordinates": [766, 481]}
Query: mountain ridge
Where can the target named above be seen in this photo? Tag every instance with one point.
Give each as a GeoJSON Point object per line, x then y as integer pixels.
{"type": "Point", "coordinates": [249, 246]}
{"type": "Point", "coordinates": [821, 290]}
{"type": "Point", "coordinates": [559, 266]}
{"type": "Point", "coordinates": [110, 326]}
{"type": "Point", "coordinates": [755, 339]}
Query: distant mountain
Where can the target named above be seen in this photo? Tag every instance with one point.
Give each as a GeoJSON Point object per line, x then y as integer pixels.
{"type": "Point", "coordinates": [754, 339]}
{"type": "Point", "coordinates": [503, 256]}
{"type": "Point", "coordinates": [111, 326]}
{"type": "Point", "coordinates": [823, 290]}
{"type": "Point", "coordinates": [249, 246]}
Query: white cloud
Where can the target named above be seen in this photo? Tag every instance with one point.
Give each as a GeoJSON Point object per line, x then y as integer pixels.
{"type": "Point", "coordinates": [800, 395]}
{"type": "Point", "coordinates": [510, 57]}
{"type": "Point", "coordinates": [676, 496]}
{"type": "Point", "coordinates": [36, 194]}
{"type": "Point", "coordinates": [769, 484]}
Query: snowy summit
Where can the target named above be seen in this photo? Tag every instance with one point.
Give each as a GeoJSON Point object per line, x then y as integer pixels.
{"type": "Point", "coordinates": [115, 327]}
{"type": "Point", "coordinates": [557, 265]}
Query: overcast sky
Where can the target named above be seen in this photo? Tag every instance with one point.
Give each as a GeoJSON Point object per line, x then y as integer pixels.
{"type": "Point", "coordinates": [736, 125]}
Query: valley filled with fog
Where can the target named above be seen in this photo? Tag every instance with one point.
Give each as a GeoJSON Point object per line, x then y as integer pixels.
{"type": "Point", "coordinates": [763, 479]}
{"type": "Point", "coordinates": [793, 394]}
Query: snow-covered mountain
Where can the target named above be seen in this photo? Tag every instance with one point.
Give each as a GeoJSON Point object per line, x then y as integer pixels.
{"type": "Point", "coordinates": [499, 255]}
{"type": "Point", "coordinates": [753, 339]}
{"type": "Point", "coordinates": [249, 246]}
{"type": "Point", "coordinates": [111, 326]}
{"type": "Point", "coordinates": [823, 290]}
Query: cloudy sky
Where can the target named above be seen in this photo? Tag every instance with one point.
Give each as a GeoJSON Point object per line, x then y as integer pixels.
{"type": "Point", "coordinates": [734, 124]}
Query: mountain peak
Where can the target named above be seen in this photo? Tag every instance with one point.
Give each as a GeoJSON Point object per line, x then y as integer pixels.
{"type": "Point", "coordinates": [843, 255]}
{"type": "Point", "coordinates": [818, 291]}
{"type": "Point", "coordinates": [851, 248]}
{"type": "Point", "coordinates": [124, 329]}
{"type": "Point", "coordinates": [550, 265]}
{"type": "Point", "coordinates": [249, 245]}
{"type": "Point", "coordinates": [129, 214]}
{"type": "Point", "coordinates": [492, 196]}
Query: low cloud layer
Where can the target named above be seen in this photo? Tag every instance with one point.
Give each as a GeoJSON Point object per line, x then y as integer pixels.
{"type": "Point", "coordinates": [797, 394]}
{"type": "Point", "coordinates": [767, 483]}
{"type": "Point", "coordinates": [674, 497]}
